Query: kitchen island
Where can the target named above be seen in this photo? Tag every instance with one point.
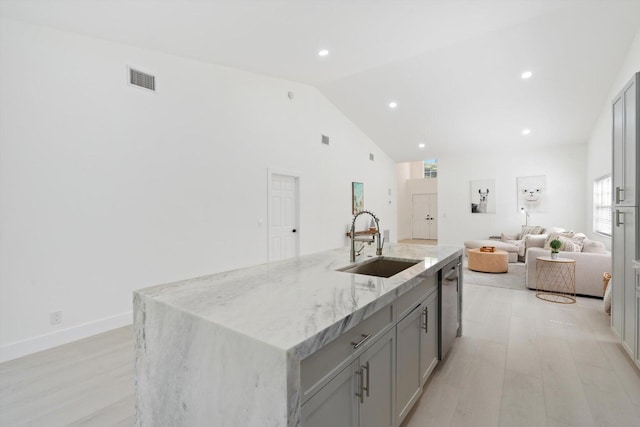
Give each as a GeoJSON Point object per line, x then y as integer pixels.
{"type": "Point", "coordinates": [227, 349]}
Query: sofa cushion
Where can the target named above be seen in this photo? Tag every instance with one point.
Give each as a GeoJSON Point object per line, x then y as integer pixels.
{"type": "Point", "coordinates": [509, 237]}
{"type": "Point", "coordinates": [594, 247]}
{"type": "Point", "coordinates": [535, 241]}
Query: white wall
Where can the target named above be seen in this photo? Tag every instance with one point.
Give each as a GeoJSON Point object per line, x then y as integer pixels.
{"type": "Point", "coordinates": [106, 188]}
{"type": "Point", "coordinates": [599, 154]}
{"type": "Point", "coordinates": [563, 165]}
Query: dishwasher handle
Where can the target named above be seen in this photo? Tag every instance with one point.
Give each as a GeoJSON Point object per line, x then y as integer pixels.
{"type": "Point", "coordinates": [452, 274]}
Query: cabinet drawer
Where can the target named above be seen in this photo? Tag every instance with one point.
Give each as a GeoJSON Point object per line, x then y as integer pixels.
{"type": "Point", "coordinates": [320, 366]}
{"type": "Point", "coordinates": [407, 302]}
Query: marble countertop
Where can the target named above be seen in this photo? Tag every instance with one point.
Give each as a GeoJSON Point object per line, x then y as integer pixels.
{"type": "Point", "coordinates": [300, 304]}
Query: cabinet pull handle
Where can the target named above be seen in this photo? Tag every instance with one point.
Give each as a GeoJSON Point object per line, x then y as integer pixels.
{"type": "Point", "coordinates": [618, 222]}
{"type": "Point", "coordinates": [366, 366]}
{"type": "Point", "coordinates": [362, 341]}
{"type": "Point", "coordinates": [618, 191]}
{"type": "Point", "coordinates": [361, 386]}
{"type": "Point", "coordinates": [425, 324]}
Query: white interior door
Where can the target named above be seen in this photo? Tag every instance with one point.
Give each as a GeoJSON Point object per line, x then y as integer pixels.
{"type": "Point", "coordinates": [425, 216]}
{"type": "Point", "coordinates": [433, 216]}
{"type": "Point", "coordinates": [283, 217]}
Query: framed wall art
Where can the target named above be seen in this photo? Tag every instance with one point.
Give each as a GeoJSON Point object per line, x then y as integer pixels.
{"type": "Point", "coordinates": [483, 196]}
{"type": "Point", "coordinates": [532, 193]}
{"type": "Point", "coordinates": [357, 197]}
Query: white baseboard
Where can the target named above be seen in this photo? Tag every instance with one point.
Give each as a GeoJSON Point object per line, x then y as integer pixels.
{"type": "Point", "coordinates": [44, 342]}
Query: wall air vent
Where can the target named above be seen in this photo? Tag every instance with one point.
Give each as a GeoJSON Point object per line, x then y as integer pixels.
{"type": "Point", "coordinates": [325, 139]}
{"type": "Point", "coordinates": [371, 156]}
{"type": "Point", "coordinates": [143, 80]}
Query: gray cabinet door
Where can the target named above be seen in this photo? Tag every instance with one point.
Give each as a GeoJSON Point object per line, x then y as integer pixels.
{"type": "Point", "coordinates": [429, 338]}
{"type": "Point", "coordinates": [336, 404]}
{"type": "Point", "coordinates": [630, 143]}
{"type": "Point", "coordinates": [408, 342]}
{"type": "Point", "coordinates": [625, 249]}
{"type": "Point", "coordinates": [617, 277]}
{"type": "Point", "coordinates": [378, 369]}
{"type": "Point", "coordinates": [618, 148]}
{"type": "Point", "coordinates": [626, 155]}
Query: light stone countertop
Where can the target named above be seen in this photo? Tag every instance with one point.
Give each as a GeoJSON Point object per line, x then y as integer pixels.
{"type": "Point", "coordinates": [299, 305]}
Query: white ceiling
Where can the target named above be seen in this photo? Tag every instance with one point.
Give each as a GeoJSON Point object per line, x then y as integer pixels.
{"type": "Point", "coordinates": [453, 66]}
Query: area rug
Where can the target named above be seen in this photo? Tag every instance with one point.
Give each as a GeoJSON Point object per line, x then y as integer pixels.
{"type": "Point", "coordinates": [514, 279]}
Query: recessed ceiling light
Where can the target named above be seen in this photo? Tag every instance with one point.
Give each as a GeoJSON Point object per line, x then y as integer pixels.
{"type": "Point", "coordinates": [323, 52]}
{"type": "Point", "coordinates": [421, 145]}
{"type": "Point", "coordinates": [526, 131]}
{"type": "Point", "coordinates": [393, 104]}
{"type": "Point", "coordinates": [526, 75]}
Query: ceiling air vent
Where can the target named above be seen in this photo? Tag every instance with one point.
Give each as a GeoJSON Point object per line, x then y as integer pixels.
{"type": "Point", "coordinates": [325, 139]}
{"type": "Point", "coordinates": [143, 80]}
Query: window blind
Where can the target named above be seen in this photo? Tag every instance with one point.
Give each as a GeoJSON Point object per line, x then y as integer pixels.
{"type": "Point", "coordinates": [602, 214]}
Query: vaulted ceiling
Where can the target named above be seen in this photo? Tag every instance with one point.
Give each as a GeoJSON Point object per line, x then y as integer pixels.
{"type": "Point", "coordinates": [452, 66]}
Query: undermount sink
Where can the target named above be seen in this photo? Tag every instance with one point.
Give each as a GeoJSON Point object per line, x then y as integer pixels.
{"type": "Point", "coordinates": [380, 267]}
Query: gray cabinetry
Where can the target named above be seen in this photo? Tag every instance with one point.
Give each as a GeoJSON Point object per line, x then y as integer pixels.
{"type": "Point", "coordinates": [336, 403]}
{"type": "Point", "coordinates": [377, 376]}
{"type": "Point", "coordinates": [429, 338]}
{"type": "Point", "coordinates": [624, 315]}
{"type": "Point", "coordinates": [372, 375]}
{"type": "Point", "coordinates": [625, 148]}
{"type": "Point", "coordinates": [624, 290]}
{"type": "Point", "coordinates": [408, 387]}
{"type": "Point", "coordinates": [359, 395]}
{"type": "Point", "coordinates": [417, 353]}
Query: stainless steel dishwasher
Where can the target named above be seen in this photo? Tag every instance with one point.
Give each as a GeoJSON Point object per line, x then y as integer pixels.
{"type": "Point", "coordinates": [449, 305]}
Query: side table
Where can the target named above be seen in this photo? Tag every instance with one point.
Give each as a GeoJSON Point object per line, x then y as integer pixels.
{"type": "Point", "coordinates": [556, 279]}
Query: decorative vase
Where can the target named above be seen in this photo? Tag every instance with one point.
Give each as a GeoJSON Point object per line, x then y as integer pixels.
{"type": "Point", "coordinates": [554, 255]}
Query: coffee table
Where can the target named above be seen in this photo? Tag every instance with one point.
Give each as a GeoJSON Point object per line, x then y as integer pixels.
{"type": "Point", "coordinates": [488, 262]}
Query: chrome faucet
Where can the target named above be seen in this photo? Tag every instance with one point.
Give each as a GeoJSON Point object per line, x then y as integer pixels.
{"type": "Point", "coordinates": [377, 237]}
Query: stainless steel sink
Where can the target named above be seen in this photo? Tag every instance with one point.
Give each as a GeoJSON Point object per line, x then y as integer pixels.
{"type": "Point", "coordinates": [380, 267]}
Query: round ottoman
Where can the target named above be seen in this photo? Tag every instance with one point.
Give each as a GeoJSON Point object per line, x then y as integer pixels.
{"type": "Point", "coordinates": [488, 262]}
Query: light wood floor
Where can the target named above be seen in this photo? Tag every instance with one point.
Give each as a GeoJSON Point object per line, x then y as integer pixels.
{"type": "Point", "coordinates": [527, 362]}
{"type": "Point", "coordinates": [521, 362]}
{"type": "Point", "coordinates": [88, 382]}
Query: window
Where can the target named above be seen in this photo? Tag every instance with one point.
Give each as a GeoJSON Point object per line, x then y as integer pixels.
{"type": "Point", "coordinates": [431, 168]}
{"type": "Point", "coordinates": [602, 205]}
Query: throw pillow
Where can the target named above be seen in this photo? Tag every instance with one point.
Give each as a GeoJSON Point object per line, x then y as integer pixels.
{"type": "Point", "coordinates": [531, 229]}
{"type": "Point", "coordinates": [570, 241]}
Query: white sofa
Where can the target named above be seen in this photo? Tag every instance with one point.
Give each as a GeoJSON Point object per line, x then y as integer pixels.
{"type": "Point", "coordinates": [513, 244]}
{"type": "Point", "coordinates": [590, 265]}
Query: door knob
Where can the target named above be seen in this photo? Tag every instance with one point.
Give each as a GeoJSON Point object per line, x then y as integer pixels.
{"type": "Point", "coordinates": [294, 230]}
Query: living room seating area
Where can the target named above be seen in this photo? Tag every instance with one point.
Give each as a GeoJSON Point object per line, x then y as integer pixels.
{"type": "Point", "coordinates": [592, 258]}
